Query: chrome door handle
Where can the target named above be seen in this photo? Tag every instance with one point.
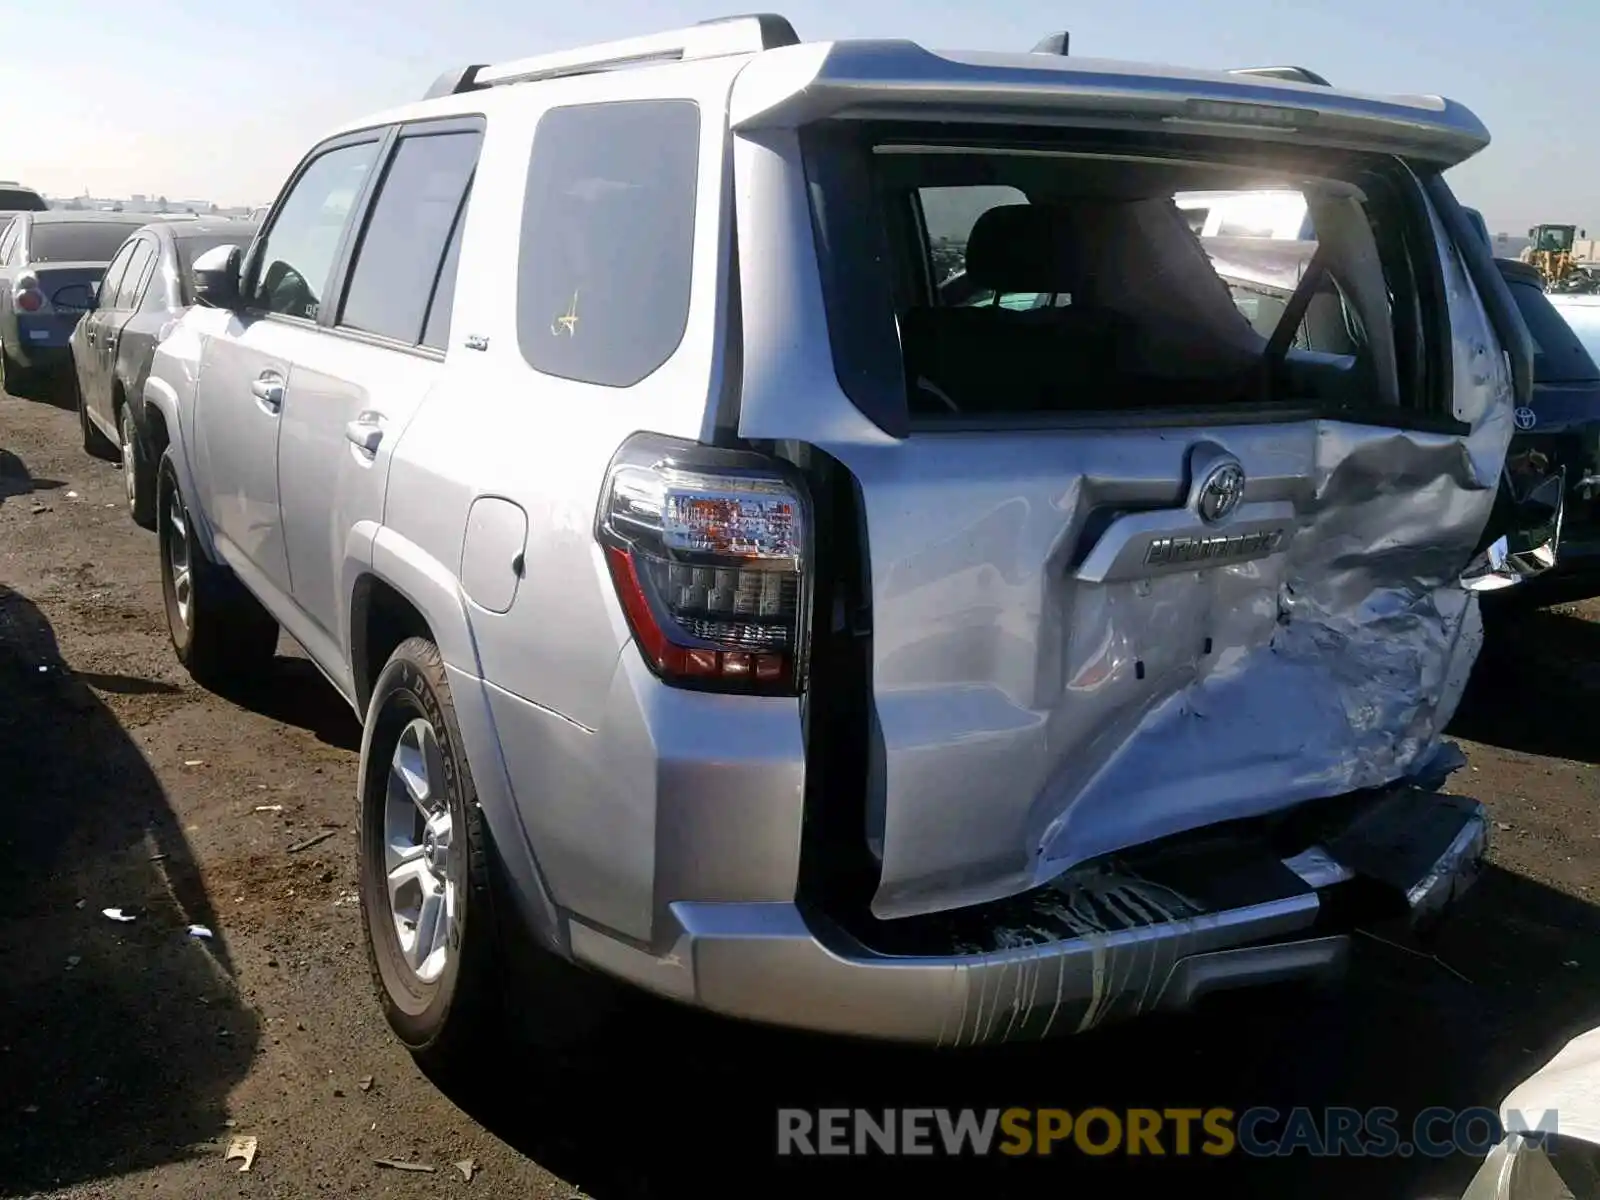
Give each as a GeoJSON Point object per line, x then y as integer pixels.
{"type": "Point", "coordinates": [365, 433]}
{"type": "Point", "coordinates": [269, 390]}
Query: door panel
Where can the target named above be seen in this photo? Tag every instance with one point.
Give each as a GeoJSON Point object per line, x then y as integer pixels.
{"type": "Point", "coordinates": [346, 409]}
{"type": "Point", "coordinates": [93, 379]}
{"type": "Point", "coordinates": [236, 416]}
{"type": "Point", "coordinates": [354, 393]}
{"type": "Point", "coordinates": [109, 338]}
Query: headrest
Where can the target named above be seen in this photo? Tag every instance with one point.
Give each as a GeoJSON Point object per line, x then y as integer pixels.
{"type": "Point", "coordinates": [1026, 248]}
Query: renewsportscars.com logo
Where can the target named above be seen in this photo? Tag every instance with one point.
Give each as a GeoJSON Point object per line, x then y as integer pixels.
{"type": "Point", "coordinates": [1179, 1132]}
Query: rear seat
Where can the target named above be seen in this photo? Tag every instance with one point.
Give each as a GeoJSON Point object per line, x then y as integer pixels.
{"type": "Point", "coordinates": [989, 359]}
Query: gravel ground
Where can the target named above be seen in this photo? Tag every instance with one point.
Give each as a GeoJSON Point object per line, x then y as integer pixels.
{"type": "Point", "coordinates": [132, 1053]}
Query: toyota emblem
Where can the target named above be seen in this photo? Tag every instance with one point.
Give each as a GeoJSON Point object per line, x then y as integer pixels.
{"type": "Point", "coordinates": [1221, 492]}
{"type": "Point", "coordinates": [1525, 418]}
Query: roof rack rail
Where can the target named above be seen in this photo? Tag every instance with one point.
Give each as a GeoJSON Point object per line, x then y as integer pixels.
{"type": "Point", "coordinates": [1292, 74]}
{"type": "Point", "coordinates": [715, 38]}
{"type": "Point", "coordinates": [1055, 43]}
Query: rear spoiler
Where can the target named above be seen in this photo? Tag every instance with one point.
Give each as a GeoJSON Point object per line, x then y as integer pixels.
{"type": "Point", "coordinates": [887, 80]}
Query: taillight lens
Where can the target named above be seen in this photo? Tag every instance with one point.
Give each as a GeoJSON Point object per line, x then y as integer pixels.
{"type": "Point", "coordinates": [28, 300]}
{"type": "Point", "coordinates": [707, 549]}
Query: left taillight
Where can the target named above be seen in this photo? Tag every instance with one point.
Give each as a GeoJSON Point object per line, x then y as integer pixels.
{"type": "Point", "coordinates": [708, 550]}
{"type": "Point", "coordinates": [27, 298]}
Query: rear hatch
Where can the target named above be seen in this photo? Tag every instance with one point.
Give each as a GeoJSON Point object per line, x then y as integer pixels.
{"type": "Point", "coordinates": [1128, 568]}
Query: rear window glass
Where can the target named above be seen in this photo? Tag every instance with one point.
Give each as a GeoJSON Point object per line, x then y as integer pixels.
{"type": "Point", "coordinates": [608, 239]}
{"type": "Point", "coordinates": [980, 281]}
{"type": "Point", "coordinates": [1558, 355]}
{"type": "Point", "coordinates": [192, 248]}
{"type": "Point", "coordinates": [80, 241]}
{"type": "Point", "coordinates": [21, 200]}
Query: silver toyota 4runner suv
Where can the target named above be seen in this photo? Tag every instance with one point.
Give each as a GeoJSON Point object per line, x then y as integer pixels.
{"type": "Point", "coordinates": [808, 532]}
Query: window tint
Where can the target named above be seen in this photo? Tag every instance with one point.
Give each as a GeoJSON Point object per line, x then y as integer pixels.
{"type": "Point", "coordinates": [112, 279]}
{"type": "Point", "coordinates": [21, 200]}
{"type": "Point", "coordinates": [148, 283]}
{"type": "Point", "coordinates": [78, 241]}
{"type": "Point", "coordinates": [1558, 355]}
{"type": "Point", "coordinates": [405, 239]}
{"type": "Point", "coordinates": [949, 213]}
{"type": "Point", "coordinates": [608, 239]}
{"type": "Point", "coordinates": [128, 290]}
{"type": "Point", "coordinates": [296, 263]}
{"type": "Point", "coordinates": [191, 248]}
{"type": "Point", "coordinates": [437, 333]}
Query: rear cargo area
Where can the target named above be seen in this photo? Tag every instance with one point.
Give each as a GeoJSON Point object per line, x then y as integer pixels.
{"type": "Point", "coordinates": [1170, 531]}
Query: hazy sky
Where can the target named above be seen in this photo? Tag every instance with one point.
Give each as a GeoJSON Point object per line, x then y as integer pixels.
{"type": "Point", "coordinates": [217, 100]}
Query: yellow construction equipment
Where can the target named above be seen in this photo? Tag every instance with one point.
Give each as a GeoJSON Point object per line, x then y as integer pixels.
{"type": "Point", "coordinates": [1550, 251]}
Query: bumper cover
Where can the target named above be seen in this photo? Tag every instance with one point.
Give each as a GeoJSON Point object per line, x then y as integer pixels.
{"type": "Point", "coordinates": [1415, 850]}
{"type": "Point", "coordinates": [43, 340]}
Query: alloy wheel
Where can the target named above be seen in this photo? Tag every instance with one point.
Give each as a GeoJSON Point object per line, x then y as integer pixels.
{"type": "Point", "coordinates": [419, 860]}
{"type": "Point", "coordinates": [178, 556]}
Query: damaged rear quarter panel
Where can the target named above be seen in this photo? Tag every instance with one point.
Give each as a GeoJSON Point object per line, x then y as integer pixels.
{"type": "Point", "coordinates": [1032, 721]}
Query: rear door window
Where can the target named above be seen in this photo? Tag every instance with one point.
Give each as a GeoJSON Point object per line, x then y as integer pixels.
{"type": "Point", "coordinates": [437, 331]}
{"type": "Point", "coordinates": [397, 266]}
{"type": "Point", "coordinates": [608, 239]}
{"type": "Point", "coordinates": [127, 296]}
{"type": "Point", "coordinates": [77, 241]}
{"type": "Point", "coordinates": [112, 279]}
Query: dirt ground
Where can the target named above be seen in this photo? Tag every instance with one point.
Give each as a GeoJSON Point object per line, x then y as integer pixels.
{"type": "Point", "coordinates": [131, 1053]}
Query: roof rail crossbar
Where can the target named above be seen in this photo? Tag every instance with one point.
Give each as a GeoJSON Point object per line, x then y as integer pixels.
{"type": "Point", "coordinates": [1055, 43]}
{"type": "Point", "coordinates": [1292, 74]}
{"type": "Point", "coordinates": [709, 39]}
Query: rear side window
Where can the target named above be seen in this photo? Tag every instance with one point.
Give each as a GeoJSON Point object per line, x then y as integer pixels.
{"type": "Point", "coordinates": [398, 264]}
{"type": "Point", "coordinates": [76, 241]}
{"type": "Point", "coordinates": [608, 239]}
{"type": "Point", "coordinates": [1558, 354]}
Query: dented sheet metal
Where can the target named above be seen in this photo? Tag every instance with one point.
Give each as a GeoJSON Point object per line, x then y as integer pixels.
{"type": "Point", "coordinates": [1033, 719]}
{"type": "Point", "coordinates": [1034, 711]}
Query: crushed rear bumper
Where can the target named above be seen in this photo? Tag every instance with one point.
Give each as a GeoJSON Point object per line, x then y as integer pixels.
{"type": "Point", "coordinates": [1103, 942]}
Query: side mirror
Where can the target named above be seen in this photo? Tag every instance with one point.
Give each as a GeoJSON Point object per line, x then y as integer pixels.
{"type": "Point", "coordinates": [74, 297]}
{"type": "Point", "coordinates": [216, 277]}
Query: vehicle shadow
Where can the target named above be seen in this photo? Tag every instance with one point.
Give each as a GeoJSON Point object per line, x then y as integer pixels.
{"type": "Point", "coordinates": [681, 1101]}
{"type": "Point", "coordinates": [119, 1042]}
{"type": "Point", "coordinates": [294, 692]}
{"type": "Point", "coordinates": [16, 480]}
{"type": "Point", "coordinates": [1535, 686]}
